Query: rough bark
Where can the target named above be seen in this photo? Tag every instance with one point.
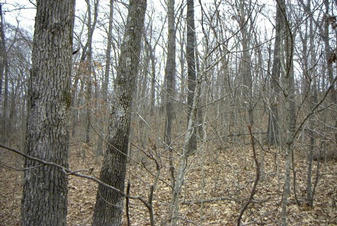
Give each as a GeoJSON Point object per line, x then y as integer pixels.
{"type": "Point", "coordinates": [45, 190]}
{"type": "Point", "coordinates": [109, 203]}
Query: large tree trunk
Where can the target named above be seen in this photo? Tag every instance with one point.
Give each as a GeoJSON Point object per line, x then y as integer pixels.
{"type": "Point", "coordinates": [45, 190]}
{"type": "Point", "coordinates": [109, 203]}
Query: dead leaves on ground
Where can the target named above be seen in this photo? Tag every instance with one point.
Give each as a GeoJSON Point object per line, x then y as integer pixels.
{"type": "Point", "coordinates": [217, 185]}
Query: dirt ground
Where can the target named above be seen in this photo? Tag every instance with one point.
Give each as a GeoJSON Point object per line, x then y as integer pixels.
{"type": "Point", "coordinates": [217, 186]}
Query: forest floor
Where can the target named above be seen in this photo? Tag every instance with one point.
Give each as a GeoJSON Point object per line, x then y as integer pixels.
{"type": "Point", "coordinates": [217, 185]}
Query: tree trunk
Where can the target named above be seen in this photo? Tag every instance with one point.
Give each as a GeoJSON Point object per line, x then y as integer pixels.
{"type": "Point", "coordinates": [290, 108]}
{"type": "Point", "coordinates": [109, 203]}
{"type": "Point", "coordinates": [170, 81]}
{"type": "Point", "coordinates": [105, 85]}
{"type": "Point", "coordinates": [3, 76]}
{"type": "Point", "coordinates": [273, 127]}
{"type": "Point", "coordinates": [2, 50]}
{"type": "Point", "coordinates": [191, 73]}
{"type": "Point", "coordinates": [44, 200]}
{"type": "Point", "coordinates": [182, 167]}
{"type": "Point", "coordinates": [246, 63]}
{"type": "Point", "coordinates": [328, 52]}
{"type": "Point", "coordinates": [91, 28]}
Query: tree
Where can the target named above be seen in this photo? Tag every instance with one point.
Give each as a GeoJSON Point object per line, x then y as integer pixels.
{"type": "Point", "coordinates": [3, 78]}
{"type": "Point", "coordinates": [170, 80]}
{"type": "Point", "coordinates": [106, 78]}
{"type": "Point", "coordinates": [245, 64]}
{"type": "Point", "coordinates": [191, 73]}
{"type": "Point", "coordinates": [109, 203]}
{"type": "Point", "coordinates": [45, 189]}
{"type": "Point", "coordinates": [290, 105]}
{"type": "Point", "coordinates": [91, 28]}
{"type": "Point", "coordinates": [273, 128]}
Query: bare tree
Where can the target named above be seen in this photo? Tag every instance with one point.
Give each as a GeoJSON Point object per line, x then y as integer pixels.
{"type": "Point", "coordinates": [170, 81]}
{"type": "Point", "coordinates": [45, 189]}
{"type": "Point", "coordinates": [273, 127]}
{"type": "Point", "coordinates": [109, 203]}
{"type": "Point", "coordinates": [89, 70]}
{"type": "Point", "coordinates": [290, 105]}
{"type": "Point", "coordinates": [106, 79]}
{"type": "Point", "coordinates": [191, 69]}
{"type": "Point", "coordinates": [3, 79]}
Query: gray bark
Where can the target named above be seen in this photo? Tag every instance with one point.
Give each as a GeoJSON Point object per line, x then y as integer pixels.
{"type": "Point", "coordinates": [44, 200]}
{"type": "Point", "coordinates": [109, 204]}
{"type": "Point", "coordinates": [273, 127]}
{"type": "Point", "coordinates": [182, 167]}
{"type": "Point", "coordinates": [170, 82]}
{"type": "Point", "coordinates": [290, 108]}
{"type": "Point", "coordinates": [191, 73]}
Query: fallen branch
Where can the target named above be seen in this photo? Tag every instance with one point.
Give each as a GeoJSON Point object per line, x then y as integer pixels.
{"type": "Point", "coordinates": [75, 173]}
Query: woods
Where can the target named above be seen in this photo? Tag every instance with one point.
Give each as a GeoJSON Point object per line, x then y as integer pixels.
{"type": "Point", "coordinates": [168, 112]}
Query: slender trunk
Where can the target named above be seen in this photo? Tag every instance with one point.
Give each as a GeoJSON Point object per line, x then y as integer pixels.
{"type": "Point", "coordinates": [45, 188]}
{"type": "Point", "coordinates": [170, 82]}
{"type": "Point", "coordinates": [91, 27]}
{"type": "Point", "coordinates": [153, 82]}
{"type": "Point", "coordinates": [191, 73]}
{"type": "Point", "coordinates": [312, 101]}
{"type": "Point", "coordinates": [182, 167]}
{"type": "Point", "coordinates": [290, 108]}
{"type": "Point", "coordinates": [246, 63]}
{"type": "Point", "coordinates": [109, 203]}
{"type": "Point", "coordinates": [3, 78]}
{"type": "Point", "coordinates": [105, 85]}
{"type": "Point", "coordinates": [2, 51]}
{"type": "Point", "coordinates": [328, 51]}
{"type": "Point", "coordinates": [273, 127]}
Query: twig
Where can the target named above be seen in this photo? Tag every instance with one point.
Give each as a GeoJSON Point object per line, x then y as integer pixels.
{"type": "Point", "coordinates": [127, 204]}
{"type": "Point", "coordinates": [256, 178]}
{"type": "Point", "coordinates": [209, 200]}
{"type": "Point", "coordinates": [150, 208]}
